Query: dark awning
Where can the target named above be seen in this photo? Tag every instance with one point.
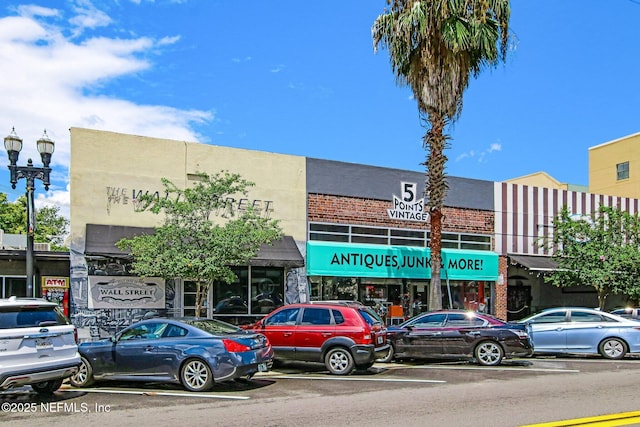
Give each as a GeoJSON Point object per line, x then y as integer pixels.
{"type": "Point", "coordinates": [283, 253]}
{"type": "Point", "coordinates": [534, 262]}
{"type": "Point", "coordinates": [101, 240]}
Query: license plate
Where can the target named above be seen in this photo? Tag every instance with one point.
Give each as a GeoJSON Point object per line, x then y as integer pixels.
{"type": "Point", "coordinates": [380, 339]}
{"type": "Point", "coordinates": [43, 344]}
{"type": "Point", "coordinates": [262, 367]}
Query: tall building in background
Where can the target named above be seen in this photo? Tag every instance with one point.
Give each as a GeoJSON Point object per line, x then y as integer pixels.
{"type": "Point", "coordinates": [614, 167]}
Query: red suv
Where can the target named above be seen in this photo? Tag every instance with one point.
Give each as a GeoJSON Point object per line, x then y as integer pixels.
{"type": "Point", "coordinates": [342, 335]}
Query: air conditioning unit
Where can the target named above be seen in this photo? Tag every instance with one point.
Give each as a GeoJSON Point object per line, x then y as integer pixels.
{"type": "Point", "coordinates": [42, 247]}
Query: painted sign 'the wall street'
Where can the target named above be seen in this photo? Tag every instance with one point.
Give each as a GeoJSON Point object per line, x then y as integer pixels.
{"type": "Point", "coordinates": [408, 207]}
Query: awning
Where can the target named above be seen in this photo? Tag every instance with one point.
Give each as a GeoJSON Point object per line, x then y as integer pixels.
{"type": "Point", "coordinates": [282, 253]}
{"type": "Point", "coordinates": [534, 262]}
{"type": "Point", "coordinates": [101, 240]}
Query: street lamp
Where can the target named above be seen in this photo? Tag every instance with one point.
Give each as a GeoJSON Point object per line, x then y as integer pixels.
{"type": "Point", "coordinates": [13, 145]}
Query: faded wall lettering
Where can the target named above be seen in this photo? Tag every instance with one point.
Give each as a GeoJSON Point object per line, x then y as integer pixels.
{"type": "Point", "coordinates": [116, 196]}
{"type": "Point", "coordinates": [230, 206]}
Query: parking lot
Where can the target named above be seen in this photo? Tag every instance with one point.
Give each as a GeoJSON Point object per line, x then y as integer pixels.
{"type": "Point", "coordinates": [294, 385]}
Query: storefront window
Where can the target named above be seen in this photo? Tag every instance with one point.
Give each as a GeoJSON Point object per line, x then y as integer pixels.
{"type": "Point", "coordinates": [334, 288]}
{"type": "Point", "coordinates": [474, 296]}
{"type": "Point", "coordinates": [232, 298]}
{"type": "Point", "coordinates": [267, 285]}
{"type": "Point", "coordinates": [14, 286]}
{"type": "Point", "coordinates": [406, 298]}
{"type": "Point", "coordinates": [189, 300]}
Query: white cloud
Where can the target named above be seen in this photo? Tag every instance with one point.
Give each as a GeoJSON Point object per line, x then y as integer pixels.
{"type": "Point", "coordinates": [59, 198]}
{"type": "Point", "coordinates": [87, 17]}
{"type": "Point", "coordinates": [495, 147]}
{"type": "Point", "coordinates": [480, 156]}
{"type": "Point", "coordinates": [51, 80]}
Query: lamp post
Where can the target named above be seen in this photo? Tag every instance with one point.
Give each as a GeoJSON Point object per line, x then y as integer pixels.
{"type": "Point", "coordinates": [13, 145]}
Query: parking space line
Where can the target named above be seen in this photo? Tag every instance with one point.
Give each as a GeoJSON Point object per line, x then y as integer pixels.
{"type": "Point", "coordinates": [153, 393]}
{"type": "Point", "coordinates": [584, 360]}
{"type": "Point", "coordinates": [311, 377]}
{"type": "Point", "coordinates": [486, 368]}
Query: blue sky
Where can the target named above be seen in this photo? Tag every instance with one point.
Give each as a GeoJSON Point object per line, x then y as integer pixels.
{"type": "Point", "coordinates": [302, 78]}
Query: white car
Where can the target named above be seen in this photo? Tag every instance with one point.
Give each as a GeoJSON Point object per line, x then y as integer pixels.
{"type": "Point", "coordinates": [38, 345]}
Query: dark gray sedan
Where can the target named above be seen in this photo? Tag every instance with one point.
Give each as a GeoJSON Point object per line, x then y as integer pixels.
{"type": "Point", "coordinates": [457, 334]}
{"type": "Point", "coordinates": [193, 352]}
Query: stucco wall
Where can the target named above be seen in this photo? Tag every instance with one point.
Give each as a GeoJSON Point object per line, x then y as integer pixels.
{"type": "Point", "coordinates": [602, 167]}
{"type": "Point", "coordinates": [109, 169]}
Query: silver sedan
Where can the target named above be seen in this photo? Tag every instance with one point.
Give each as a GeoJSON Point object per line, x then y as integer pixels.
{"type": "Point", "coordinates": [574, 330]}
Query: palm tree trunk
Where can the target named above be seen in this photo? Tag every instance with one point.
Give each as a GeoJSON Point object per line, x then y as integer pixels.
{"type": "Point", "coordinates": [435, 287]}
{"type": "Point", "coordinates": [436, 188]}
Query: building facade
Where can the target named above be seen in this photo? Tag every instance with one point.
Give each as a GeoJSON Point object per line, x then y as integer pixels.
{"type": "Point", "coordinates": [614, 167]}
{"type": "Point", "coordinates": [523, 216]}
{"type": "Point", "coordinates": [368, 239]}
{"type": "Point", "coordinates": [109, 171]}
{"type": "Point", "coordinates": [351, 232]}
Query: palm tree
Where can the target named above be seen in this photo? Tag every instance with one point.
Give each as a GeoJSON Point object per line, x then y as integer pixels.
{"type": "Point", "coordinates": [435, 46]}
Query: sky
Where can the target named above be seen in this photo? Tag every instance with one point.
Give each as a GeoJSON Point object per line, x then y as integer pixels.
{"type": "Point", "coordinates": [302, 78]}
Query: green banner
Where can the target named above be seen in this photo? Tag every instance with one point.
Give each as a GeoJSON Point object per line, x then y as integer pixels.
{"type": "Point", "coordinates": [360, 260]}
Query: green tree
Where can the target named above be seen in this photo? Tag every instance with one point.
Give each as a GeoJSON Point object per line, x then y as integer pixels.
{"type": "Point", "coordinates": [190, 243]}
{"type": "Point", "coordinates": [601, 250]}
{"type": "Point", "coordinates": [13, 215]}
{"type": "Point", "coordinates": [51, 227]}
{"type": "Point", "coordinates": [435, 46]}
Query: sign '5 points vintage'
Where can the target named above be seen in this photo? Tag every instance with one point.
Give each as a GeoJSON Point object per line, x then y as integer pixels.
{"type": "Point", "coordinates": [408, 206]}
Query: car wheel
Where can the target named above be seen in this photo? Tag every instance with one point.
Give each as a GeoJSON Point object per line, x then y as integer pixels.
{"type": "Point", "coordinates": [387, 357]}
{"type": "Point", "coordinates": [339, 361]}
{"type": "Point", "coordinates": [488, 353]}
{"type": "Point", "coordinates": [612, 348]}
{"type": "Point", "coordinates": [47, 387]}
{"type": "Point", "coordinates": [84, 376]}
{"type": "Point", "coordinates": [196, 375]}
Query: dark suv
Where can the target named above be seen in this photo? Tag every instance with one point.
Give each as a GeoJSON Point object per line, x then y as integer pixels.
{"type": "Point", "coordinates": [342, 335]}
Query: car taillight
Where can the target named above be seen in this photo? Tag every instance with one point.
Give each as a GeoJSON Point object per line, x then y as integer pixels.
{"type": "Point", "coordinates": [234, 347]}
{"type": "Point", "coordinates": [75, 335]}
{"type": "Point", "coordinates": [364, 339]}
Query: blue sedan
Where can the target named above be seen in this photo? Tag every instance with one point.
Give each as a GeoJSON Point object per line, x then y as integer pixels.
{"type": "Point", "coordinates": [193, 352]}
{"type": "Point", "coordinates": [574, 330]}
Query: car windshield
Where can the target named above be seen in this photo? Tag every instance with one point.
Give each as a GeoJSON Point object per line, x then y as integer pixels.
{"type": "Point", "coordinates": [213, 326]}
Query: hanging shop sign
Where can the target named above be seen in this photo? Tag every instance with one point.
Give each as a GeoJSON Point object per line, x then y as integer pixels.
{"type": "Point", "coordinates": [109, 292]}
{"type": "Point", "coordinates": [360, 260]}
{"type": "Point", "coordinates": [408, 207]}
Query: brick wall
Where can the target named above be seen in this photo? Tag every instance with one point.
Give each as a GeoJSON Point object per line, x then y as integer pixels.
{"type": "Point", "coordinates": [500, 297]}
{"type": "Point", "coordinates": [353, 210]}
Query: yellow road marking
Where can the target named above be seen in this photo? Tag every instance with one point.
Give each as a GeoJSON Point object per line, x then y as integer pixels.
{"type": "Point", "coordinates": [611, 420]}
